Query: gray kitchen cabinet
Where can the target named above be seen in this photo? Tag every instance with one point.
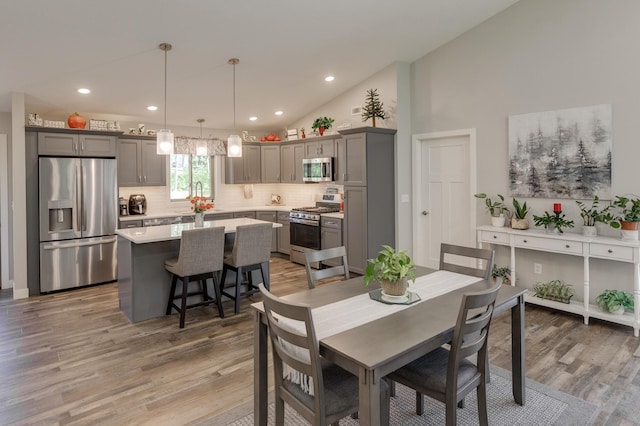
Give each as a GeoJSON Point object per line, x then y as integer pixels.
{"type": "Point", "coordinates": [320, 148]}
{"type": "Point", "coordinates": [124, 224]}
{"type": "Point", "coordinates": [76, 144]}
{"type": "Point", "coordinates": [351, 160]}
{"type": "Point", "coordinates": [284, 238]}
{"type": "Point", "coordinates": [270, 216]}
{"type": "Point", "coordinates": [330, 236]}
{"type": "Point", "coordinates": [369, 198]}
{"type": "Point", "coordinates": [291, 156]}
{"type": "Point", "coordinates": [250, 215]}
{"type": "Point", "coordinates": [139, 164]}
{"type": "Point", "coordinates": [218, 216]}
{"type": "Point", "coordinates": [245, 169]}
{"type": "Point", "coordinates": [270, 163]}
{"type": "Point", "coordinates": [188, 219]}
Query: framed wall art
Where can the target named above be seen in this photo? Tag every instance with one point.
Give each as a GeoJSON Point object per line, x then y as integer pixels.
{"type": "Point", "coordinates": [561, 154]}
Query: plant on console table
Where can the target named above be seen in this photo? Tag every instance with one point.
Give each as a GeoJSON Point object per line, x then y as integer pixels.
{"type": "Point", "coordinates": [321, 124]}
{"type": "Point", "coordinates": [628, 216]}
{"type": "Point", "coordinates": [496, 209]}
{"type": "Point", "coordinates": [519, 219]}
{"type": "Point", "coordinates": [615, 301]}
{"type": "Point", "coordinates": [392, 269]}
{"type": "Point", "coordinates": [553, 222]}
{"type": "Point", "coordinates": [556, 290]}
{"type": "Point", "coordinates": [592, 215]}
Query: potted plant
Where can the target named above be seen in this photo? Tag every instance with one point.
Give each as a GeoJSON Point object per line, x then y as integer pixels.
{"type": "Point", "coordinates": [556, 290]}
{"type": "Point", "coordinates": [392, 269]}
{"type": "Point", "coordinates": [495, 208]}
{"type": "Point", "coordinates": [553, 223]}
{"type": "Point", "coordinates": [615, 301]}
{"type": "Point", "coordinates": [519, 220]}
{"type": "Point", "coordinates": [504, 273]}
{"type": "Point", "coordinates": [627, 218]}
{"type": "Point", "coordinates": [321, 124]}
{"type": "Point", "coordinates": [592, 215]}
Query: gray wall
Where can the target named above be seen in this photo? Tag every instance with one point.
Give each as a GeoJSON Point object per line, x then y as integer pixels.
{"type": "Point", "coordinates": [538, 55]}
{"type": "Point", "coordinates": [5, 128]}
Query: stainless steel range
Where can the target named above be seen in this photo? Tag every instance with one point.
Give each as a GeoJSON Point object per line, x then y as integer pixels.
{"type": "Point", "coordinates": [305, 227]}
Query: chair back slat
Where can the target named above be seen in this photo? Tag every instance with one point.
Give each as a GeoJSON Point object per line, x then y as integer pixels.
{"type": "Point", "coordinates": [313, 256]}
{"type": "Point", "coordinates": [447, 251]}
{"type": "Point", "coordinates": [201, 251]}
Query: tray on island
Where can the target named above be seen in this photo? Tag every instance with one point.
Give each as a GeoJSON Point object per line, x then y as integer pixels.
{"type": "Point", "coordinates": [379, 296]}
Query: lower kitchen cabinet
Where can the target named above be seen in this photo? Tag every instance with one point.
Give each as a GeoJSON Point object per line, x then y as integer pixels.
{"type": "Point", "coordinates": [330, 236]}
{"type": "Point", "coordinates": [124, 224]}
{"type": "Point", "coordinates": [218, 216]}
{"type": "Point", "coordinates": [250, 214]}
{"type": "Point", "coordinates": [270, 216]}
{"type": "Point", "coordinates": [284, 239]}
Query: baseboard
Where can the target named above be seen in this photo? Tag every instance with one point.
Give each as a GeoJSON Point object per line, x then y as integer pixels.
{"type": "Point", "coordinates": [19, 293]}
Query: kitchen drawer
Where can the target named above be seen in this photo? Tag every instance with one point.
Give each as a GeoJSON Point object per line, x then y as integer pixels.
{"type": "Point", "coordinates": [124, 224]}
{"type": "Point", "coordinates": [283, 217]}
{"type": "Point", "coordinates": [494, 237]}
{"type": "Point", "coordinates": [548, 244]}
{"type": "Point", "coordinates": [251, 215]}
{"type": "Point", "coordinates": [608, 251]}
{"type": "Point", "coordinates": [330, 222]}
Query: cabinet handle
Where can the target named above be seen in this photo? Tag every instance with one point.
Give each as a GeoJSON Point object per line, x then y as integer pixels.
{"type": "Point", "coordinates": [82, 146]}
{"type": "Point", "coordinates": [567, 246]}
{"type": "Point", "coordinates": [524, 241]}
{"type": "Point", "coordinates": [145, 179]}
{"type": "Point", "coordinates": [610, 251]}
{"type": "Point", "coordinates": [495, 237]}
{"type": "Point", "coordinates": [140, 178]}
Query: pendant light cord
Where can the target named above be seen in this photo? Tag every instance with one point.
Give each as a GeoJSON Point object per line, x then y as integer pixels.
{"type": "Point", "coordinates": [165, 89]}
{"type": "Point", "coordinates": [234, 62]}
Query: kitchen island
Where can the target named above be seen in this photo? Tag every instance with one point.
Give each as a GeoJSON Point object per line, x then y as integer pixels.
{"type": "Point", "coordinates": [143, 281]}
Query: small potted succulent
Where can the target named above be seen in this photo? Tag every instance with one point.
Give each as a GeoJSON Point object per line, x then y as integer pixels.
{"type": "Point", "coordinates": [519, 220]}
{"type": "Point", "coordinates": [321, 124]}
{"type": "Point", "coordinates": [556, 290]}
{"type": "Point", "coordinates": [627, 217]}
{"type": "Point", "coordinates": [496, 209]}
{"type": "Point", "coordinates": [503, 273]}
{"type": "Point", "coordinates": [553, 223]}
{"type": "Point", "coordinates": [592, 215]}
{"type": "Point", "coordinates": [615, 301]}
{"type": "Point", "coordinates": [392, 269]}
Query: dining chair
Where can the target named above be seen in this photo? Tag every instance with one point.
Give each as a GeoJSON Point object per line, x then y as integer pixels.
{"type": "Point", "coordinates": [446, 374]}
{"type": "Point", "coordinates": [200, 258]}
{"type": "Point", "coordinates": [333, 391]}
{"type": "Point", "coordinates": [313, 256]}
{"type": "Point", "coordinates": [448, 251]}
{"type": "Point", "coordinates": [251, 251]}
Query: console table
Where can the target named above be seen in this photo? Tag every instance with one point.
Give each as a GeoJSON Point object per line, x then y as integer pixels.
{"type": "Point", "coordinates": [573, 245]}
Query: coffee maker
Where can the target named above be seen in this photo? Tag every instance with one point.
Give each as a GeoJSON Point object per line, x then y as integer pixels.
{"type": "Point", "coordinates": [137, 204]}
{"type": "Point", "coordinates": [124, 210]}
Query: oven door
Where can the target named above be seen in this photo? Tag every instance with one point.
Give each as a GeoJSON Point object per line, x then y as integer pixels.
{"type": "Point", "coordinates": [304, 234]}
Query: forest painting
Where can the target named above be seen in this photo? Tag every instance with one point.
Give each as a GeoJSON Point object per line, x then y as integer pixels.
{"type": "Point", "coordinates": [561, 154]}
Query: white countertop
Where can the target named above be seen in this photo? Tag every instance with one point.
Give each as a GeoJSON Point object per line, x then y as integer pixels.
{"type": "Point", "coordinates": [183, 212]}
{"type": "Point", "coordinates": [152, 234]}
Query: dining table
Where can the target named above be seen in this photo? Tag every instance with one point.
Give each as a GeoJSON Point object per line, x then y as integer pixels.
{"type": "Point", "coordinates": [380, 345]}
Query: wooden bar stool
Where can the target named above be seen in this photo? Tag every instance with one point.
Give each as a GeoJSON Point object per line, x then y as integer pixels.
{"type": "Point", "coordinates": [251, 251]}
{"type": "Point", "coordinates": [201, 256]}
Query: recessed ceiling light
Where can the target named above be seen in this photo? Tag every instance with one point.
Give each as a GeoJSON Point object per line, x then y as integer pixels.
{"type": "Point", "coordinates": [279, 112]}
{"type": "Point", "coordinates": [152, 107]}
{"type": "Point", "coordinates": [84, 91]}
{"type": "Point", "coordinates": [329, 78]}
{"type": "Point", "coordinates": [254, 118]}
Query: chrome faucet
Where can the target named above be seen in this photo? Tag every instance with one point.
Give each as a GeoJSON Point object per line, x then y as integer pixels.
{"type": "Point", "coordinates": [198, 183]}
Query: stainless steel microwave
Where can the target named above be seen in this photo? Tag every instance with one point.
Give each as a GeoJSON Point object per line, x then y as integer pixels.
{"type": "Point", "coordinates": [317, 169]}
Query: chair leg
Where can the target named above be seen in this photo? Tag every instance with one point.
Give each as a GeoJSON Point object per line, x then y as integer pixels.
{"type": "Point", "coordinates": [451, 410]}
{"type": "Point", "coordinates": [482, 404]}
{"type": "Point", "coordinates": [222, 281]}
{"type": "Point", "coordinates": [216, 289]}
{"type": "Point", "coordinates": [419, 403]}
{"type": "Point", "coordinates": [279, 411]}
{"type": "Point", "coordinates": [205, 291]}
{"type": "Point", "coordinates": [392, 388]}
{"type": "Point", "coordinates": [264, 270]}
{"type": "Point", "coordinates": [183, 305]}
{"type": "Point", "coordinates": [238, 283]}
{"type": "Point", "coordinates": [172, 294]}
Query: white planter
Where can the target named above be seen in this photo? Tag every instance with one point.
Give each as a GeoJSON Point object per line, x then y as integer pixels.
{"type": "Point", "coordinates": [589, 231]}
{"type": "Point", "coordinates": [497, 221]}
{"type": "Point", "coordinates": [629, 235]}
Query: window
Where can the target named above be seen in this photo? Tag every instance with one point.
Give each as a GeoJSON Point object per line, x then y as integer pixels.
{"type": "Point", "coordinates": [186, 170]}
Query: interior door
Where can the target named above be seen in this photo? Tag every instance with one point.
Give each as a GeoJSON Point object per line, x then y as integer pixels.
{"type": "Point", "coordinates": [445, 181]}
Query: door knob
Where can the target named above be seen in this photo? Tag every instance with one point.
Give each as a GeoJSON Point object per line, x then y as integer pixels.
{"type": "Point", "coordinates": [424, 212]}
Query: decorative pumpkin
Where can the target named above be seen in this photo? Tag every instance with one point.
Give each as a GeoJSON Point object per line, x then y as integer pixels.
{"type": "Point", "coordinates": [271, 137]}
{"type": "Point", "coordinates": [76, 121]}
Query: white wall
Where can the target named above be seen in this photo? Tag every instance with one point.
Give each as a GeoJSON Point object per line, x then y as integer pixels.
{"type": "Point", "coordinates": [538, 55]}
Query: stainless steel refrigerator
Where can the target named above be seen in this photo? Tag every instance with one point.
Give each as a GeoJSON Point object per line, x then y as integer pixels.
{"type": "Point", "coordinates": [78, 217]}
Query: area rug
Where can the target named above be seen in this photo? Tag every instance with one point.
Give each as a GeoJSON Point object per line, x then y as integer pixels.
{"type": "Point", "coordinates": [544, 406]}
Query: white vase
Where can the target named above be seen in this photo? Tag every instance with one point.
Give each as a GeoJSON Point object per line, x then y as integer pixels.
{"type": "Point", "coordinates": [589, 231]}
{"type": "Point", "coordinates": [629, 235]}
{"type": "Point", "coordinates": [497, 221]}
{"type": "Point", "coordinates": [199, 222]}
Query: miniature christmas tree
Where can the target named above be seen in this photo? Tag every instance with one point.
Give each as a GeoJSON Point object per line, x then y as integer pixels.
{"type": "Point", "coordinates": [373, 107]}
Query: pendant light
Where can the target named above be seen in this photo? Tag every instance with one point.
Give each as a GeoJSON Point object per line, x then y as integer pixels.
{"type": "Point", "coordinates": [201, 144]}
{"type": "Point", "coordinates": [165, 137]}
{"type": "Point", "coordinates": [234, 142]}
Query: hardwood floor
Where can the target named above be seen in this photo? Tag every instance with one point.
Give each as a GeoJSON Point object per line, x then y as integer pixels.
{"type": "Point", "coordinates": [73, 358]}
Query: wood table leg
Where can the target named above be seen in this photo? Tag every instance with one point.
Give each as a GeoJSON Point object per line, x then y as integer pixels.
{"type": "Point", "coordinates": [369, 408]}
{"type": "Point", "coordinates": [518, 351]}
{"type": "Point", "coordinates": [260, 384]}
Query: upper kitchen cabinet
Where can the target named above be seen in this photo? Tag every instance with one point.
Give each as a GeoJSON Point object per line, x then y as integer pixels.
{"type": "Point", "coordinates": [245, 169]}
{"type": "Point", "coordinates": [73, 143]}
{"type": "Point", "coordinates": [323, 146]}
{"type": "Point", "coordinates": [351, 160]}
{"type": "Point", "coordinates": [291, 155]}
{"type": "Point", "coordinates": [270, 163]}
{"type": "Point", "coordinates": [138, 162]}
